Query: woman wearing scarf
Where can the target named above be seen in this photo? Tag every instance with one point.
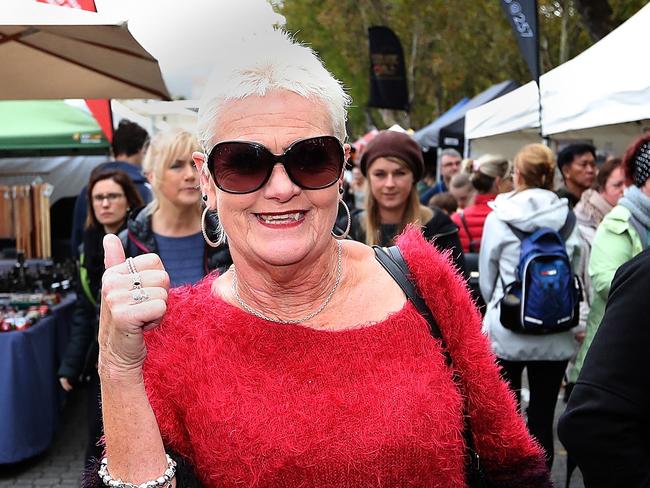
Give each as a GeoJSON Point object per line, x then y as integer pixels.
{"type": "Point", "coordinates": [622, 234]}
{"type": "Point", "coordinates": [590, 211]}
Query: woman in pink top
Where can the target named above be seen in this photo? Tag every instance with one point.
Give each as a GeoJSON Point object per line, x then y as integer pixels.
{"type": "Point", "coordinates": [492, 175]}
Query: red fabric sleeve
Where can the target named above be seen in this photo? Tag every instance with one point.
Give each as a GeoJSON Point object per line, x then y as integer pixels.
{"type": "Point", "coordinates": [508, 453]}
{"type": "Point", "coordinates": [166, 386]}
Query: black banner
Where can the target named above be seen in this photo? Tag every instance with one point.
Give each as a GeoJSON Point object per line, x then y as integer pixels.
{"type": "Point", "coordinates": [522, 15]}
{"type": "Point", "coordinates": [388, 87]}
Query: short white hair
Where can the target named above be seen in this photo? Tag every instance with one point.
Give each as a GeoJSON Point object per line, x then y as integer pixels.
{"type": "Point", "coordinates": [265, 61]}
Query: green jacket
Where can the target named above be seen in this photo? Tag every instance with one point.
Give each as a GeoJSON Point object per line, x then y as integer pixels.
{"type": "Point", "coordinates": [615, 243]}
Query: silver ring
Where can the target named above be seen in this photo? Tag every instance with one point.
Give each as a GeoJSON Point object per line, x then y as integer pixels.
{"type": "Point", "coordinates": [139, 295]}
{"type": "Point", "coordinates": [130, 263]}
{"type": "Point", "coordinates": [136, 281]}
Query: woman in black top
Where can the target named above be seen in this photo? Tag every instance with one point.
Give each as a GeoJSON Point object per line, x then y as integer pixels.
{"type": "Point", "coordinates": [111, 195]}
{"type": "Point", "coordinates": [393, 164]}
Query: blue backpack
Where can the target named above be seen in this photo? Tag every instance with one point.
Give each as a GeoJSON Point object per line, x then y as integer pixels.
{"type": "Point", "coordinates": [545, 298]}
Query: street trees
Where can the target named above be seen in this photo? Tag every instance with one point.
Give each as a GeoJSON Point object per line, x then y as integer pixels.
{"type": "Point", "coordinates": [452, 49]}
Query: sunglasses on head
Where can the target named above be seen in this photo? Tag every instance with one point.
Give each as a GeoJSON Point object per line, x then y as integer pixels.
{"type": "Point", "coordinates": [245, 167]}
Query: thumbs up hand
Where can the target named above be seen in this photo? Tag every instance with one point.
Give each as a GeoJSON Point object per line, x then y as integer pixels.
{"type": "Point", "coordinates": [133, 299]}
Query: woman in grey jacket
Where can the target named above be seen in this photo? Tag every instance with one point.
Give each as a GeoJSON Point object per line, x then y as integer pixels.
{"type": "Point", "coordinates": [531, 206]}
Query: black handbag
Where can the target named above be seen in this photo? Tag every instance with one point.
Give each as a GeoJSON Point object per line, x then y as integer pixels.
{"type": "Point", "coordinates": [392, 260]}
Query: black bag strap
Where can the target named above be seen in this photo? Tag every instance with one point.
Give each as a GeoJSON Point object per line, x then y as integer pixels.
{"type": "Point", "coordinates": [569, 225]}
{"type": "Point", "coordinates": [394, 263]}
{"type": "Point", "coordinates": [472, 246]}
{"type": "Point", "coordinates": [565, 230]}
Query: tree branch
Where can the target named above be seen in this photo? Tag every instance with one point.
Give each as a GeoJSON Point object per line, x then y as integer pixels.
{"type": "Point", "coordinates": [597, 16]}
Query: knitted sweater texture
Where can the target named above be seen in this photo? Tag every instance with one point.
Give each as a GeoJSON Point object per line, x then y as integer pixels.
{"type": "Point", "coordinates": [255, 403]}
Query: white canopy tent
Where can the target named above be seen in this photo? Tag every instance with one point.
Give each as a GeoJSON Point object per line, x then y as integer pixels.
{"type": "Point", "coordinates": [601, 95]}
{"type": "Point", "coordinates": [505, 124]}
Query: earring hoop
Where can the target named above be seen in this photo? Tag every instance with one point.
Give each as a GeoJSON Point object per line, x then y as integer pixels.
{"type": "Point", "coordinates": [221, 234]}
{"type": "Point", "coordinates": [347, 228]}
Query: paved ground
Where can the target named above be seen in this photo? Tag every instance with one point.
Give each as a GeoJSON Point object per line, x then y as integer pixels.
{"type": "Point", "coordinates": [61, 465]}
{"type": "Point", "coordinates": [559, 464]}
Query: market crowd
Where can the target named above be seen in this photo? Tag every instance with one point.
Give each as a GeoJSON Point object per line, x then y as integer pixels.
{"type": "Point", "coordinates": [259, 372]}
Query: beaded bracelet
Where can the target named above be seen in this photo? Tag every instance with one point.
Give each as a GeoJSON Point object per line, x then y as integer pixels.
{"type": "Point", "coordinates": [163, 481]}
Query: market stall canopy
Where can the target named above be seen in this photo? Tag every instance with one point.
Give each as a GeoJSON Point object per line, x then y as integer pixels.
{"type": "Point", "coordinates": [452, 134]}
{"type": "Point", "coordinates": [605, 86]}
{"type": "Point", "coordinates": [68, 174]}
{"type": "Point", "coordinates": [51, 52]}
{"type": "Point", "coordinates": [427, 137]}
{"type": "Point", "coordinates": [513, 112]}
{"type": "Point", "coordinates": [448, 129]}
{"type": "Point", "coordinates": [608, 83]}
{"type": "Point", "coordinates": [156, 115]}
{"type": "Point", "coordinates": [361, 143]}
{"type": "Point", "coordinates": [47, 125]}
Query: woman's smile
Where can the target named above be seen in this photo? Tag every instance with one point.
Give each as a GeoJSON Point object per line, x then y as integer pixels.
{"type": "Point", "coordinates": [280, 220]}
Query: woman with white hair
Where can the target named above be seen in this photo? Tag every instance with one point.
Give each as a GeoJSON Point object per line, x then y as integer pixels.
{"type": "Point", "coordinates": [304, 364]}
{"type": "Point", "coordinates": [170, 225]}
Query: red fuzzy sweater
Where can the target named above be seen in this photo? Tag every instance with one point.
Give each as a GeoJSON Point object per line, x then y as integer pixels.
{"type": "Point", "coordinates": [475, 216]}
{"type": "Point", "coordinates": [255, 403]}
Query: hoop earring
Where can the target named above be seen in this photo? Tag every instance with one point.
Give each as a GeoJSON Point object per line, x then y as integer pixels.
{"type": "Point", "coordinates": [221, 238]}
{"type": "Point", "coordinates": [347, 228]}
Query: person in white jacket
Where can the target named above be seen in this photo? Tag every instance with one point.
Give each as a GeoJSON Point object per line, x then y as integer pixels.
{"type": "Point", "coordinates": [530, 206]}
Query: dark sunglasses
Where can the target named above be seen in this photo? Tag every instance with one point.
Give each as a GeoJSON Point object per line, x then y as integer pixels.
{"type": "Point", "coordinates": [244, 167]}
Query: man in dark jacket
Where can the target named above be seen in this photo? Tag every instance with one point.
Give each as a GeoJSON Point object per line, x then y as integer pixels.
{"type": "Point", "coordinates": [128, 148]}
{"type": "Point", "coordinates": [606, 426]}
{"type": "Point", "coordinates": [450, 162]}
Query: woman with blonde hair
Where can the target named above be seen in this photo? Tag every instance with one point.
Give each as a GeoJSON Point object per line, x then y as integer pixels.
{"type": "Point", "coordinates": [491, 175]}
{"type": "Point", "coordinates": [171, 225]}
{"type": "Point", "coordinates": [392, 164]}
{"type": "Point", "coordinates": [531, 206]}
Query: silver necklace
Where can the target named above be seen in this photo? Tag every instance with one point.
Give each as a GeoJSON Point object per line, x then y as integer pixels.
{"type": "Point", "coordinates": [301, 320]}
